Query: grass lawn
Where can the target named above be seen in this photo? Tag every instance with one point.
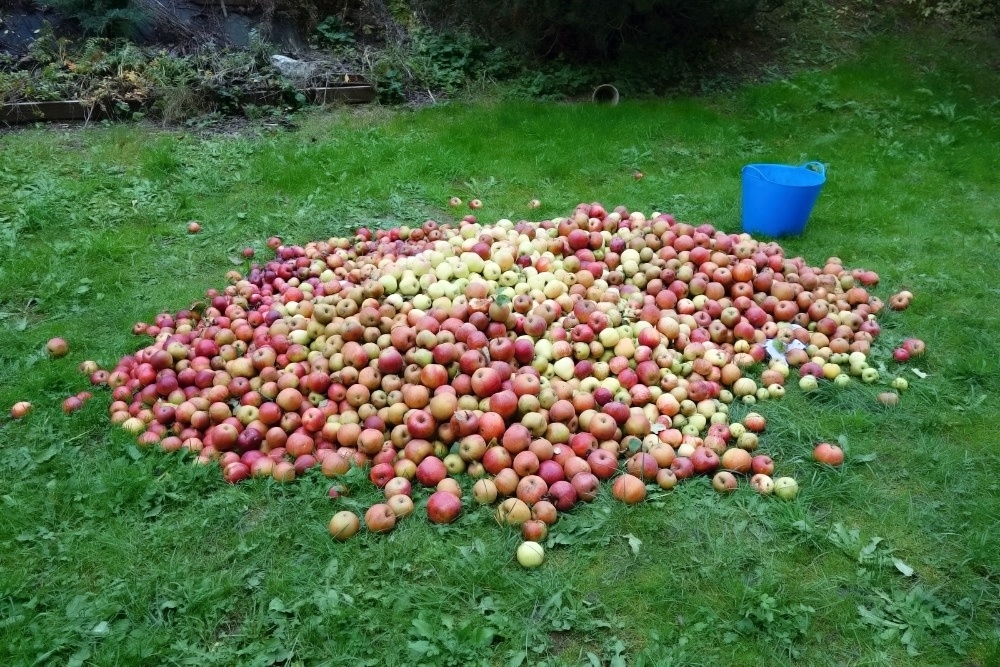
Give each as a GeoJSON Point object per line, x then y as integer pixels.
{"type": "Point", "coordinates": [114, 555]}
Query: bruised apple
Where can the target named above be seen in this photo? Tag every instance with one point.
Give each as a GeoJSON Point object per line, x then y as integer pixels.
{"type": "Point", "coordinates": [344, 525]}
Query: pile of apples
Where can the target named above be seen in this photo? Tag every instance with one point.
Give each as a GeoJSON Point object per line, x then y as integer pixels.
{"type": "Point", "coordinates": [534, 360]}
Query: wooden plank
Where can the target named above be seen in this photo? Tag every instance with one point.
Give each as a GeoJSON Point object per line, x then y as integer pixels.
{"type": "Point", "coordinates": [64, 110]}
{"type": "Point", "coordinates": [354, 94]}
{"type": "Point", "coordinates": [31, 112]}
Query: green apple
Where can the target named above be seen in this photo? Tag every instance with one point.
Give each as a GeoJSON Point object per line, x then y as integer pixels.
{"type": "Point", "coordinates": [786, 488]}
{"type": "Point", "coordinates": [869, 375]}
{"type": "Point", "coordinates": [530, 554]}
{"type": "Point", "coordinates": [808, 383]}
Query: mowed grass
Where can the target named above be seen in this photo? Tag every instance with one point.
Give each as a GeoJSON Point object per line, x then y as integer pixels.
{"type": "Point", "coordinates": [116, 555]}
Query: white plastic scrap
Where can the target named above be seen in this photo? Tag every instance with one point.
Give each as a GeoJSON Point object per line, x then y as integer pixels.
{"type": "Point", "coordinates": [777, 348]}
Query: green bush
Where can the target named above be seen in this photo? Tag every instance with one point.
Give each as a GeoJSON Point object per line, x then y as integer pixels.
{"type": "Point", "coordinates": [108, 18]}
{"type": "Point", "coordinates": [597, 30]}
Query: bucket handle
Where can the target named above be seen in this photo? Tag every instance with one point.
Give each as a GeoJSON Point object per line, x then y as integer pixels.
{"type": "Point", "coordinates": [818, 167]}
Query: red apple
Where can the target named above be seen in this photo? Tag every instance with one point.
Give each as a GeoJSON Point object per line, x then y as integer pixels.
{"type": "Point", "coordinates": [531, 489]}
{"type": "Point", "coordinates": [587, 486]}
{"type": "Point", "coordinates": [563, 495]}
{"type": "Point", "coordinates": [762, 464]}
{"type": "Point", "coordinates": [380, 518]}
{"type": "Point", "coordinates": [20, 409]}
{"type": "Point", "coordinates": [381, 473]}
{"type": "Point", "coordinates": [430, 471]}
{"type": "Point", "coordinates": [724, 482]}
{"type": "Point", "coordinates": [443, 507]}
{"type": "Point", "coordinates": [643, 466]}
{"type": "Point", "coordinates": [534, 530]}
{"type": "Point", "coordinates": [603, 463]}
{"type": "Point", "coordinates": [829, 454]}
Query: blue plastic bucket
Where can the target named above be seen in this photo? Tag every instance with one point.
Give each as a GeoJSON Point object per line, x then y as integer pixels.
{"type": "Point", "coordinates": [778, 198]}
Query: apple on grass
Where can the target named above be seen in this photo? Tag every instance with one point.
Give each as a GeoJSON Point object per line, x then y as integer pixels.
{"type": "Point", "coordinates": [724, 482]}
{"type": "Point", "coordinates": [380, 518]}
{"type": "Point", "coordinates": [484, 492]}
{"type": "Point", "coordinates": [402, 505]}
{"type": "Point", "coordinates": [786, 488]}
{"type": "Point", "coordinates": [762, 484]}
{"type": "Point", "coordinates": [443, 507]}
{"type": "Point", "coordinates": [534, 530]}
{"type": "Point", "coordinates": [57, 347]}
{"type": "Point", "coordinates": [20, 409]}
{"type": "Point", "coordinates": [829, 454]}
{"type": "Point", "coordinates": [344, 525]}
{"type": "Point", "coordinates": [530, 554]}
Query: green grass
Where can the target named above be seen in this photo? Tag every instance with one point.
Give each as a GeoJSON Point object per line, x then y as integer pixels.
{"type": "Point", "coordinates": [115, 555]}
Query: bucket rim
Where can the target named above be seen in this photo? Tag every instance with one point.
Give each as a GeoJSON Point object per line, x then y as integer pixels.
{"type": "Point", "coordinates": [813, 166]}
{"type": "Point", "coordinates": [817, 168]}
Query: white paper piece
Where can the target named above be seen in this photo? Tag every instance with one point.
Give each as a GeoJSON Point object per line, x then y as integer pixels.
{"type": "Point", "coordinates": [776, 349]}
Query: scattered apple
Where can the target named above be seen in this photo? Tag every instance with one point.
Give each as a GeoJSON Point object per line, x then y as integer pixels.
{"type": "Point", "coordinates": [534, 530]}
{"type": "Point", "coordinates": [829, 454]}
{"type": "Point", "coordinates": [20, 409]}
{"type": "Point", "coordinates": [724, 482]}
{"type": "Point", "coordinates": [786, 488]}
{"type": "Point", "coordinates": [380, 518]}
{"type": "Point", "coordinates": [530, 554]}
{"type": "Point", "coordinates": [57, 347]}
{"type": "Point", "coordinates": [344, 525]}
{"type": "Point", "coordinates": [888, 398]}
{"type": "Point", "coordinates": [762, 484]}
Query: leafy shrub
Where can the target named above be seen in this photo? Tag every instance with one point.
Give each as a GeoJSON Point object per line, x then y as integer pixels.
{"type": "Point", "coordinates": [448, 60]}
{"type": "Point", "coordinates": [555, 80]}
{"type": "Point", "coordinates": [332, 33]}
{"type": "Point", "coordinates": [440, 62]}
{"type": "Point", "coordinates": [109, 18]}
